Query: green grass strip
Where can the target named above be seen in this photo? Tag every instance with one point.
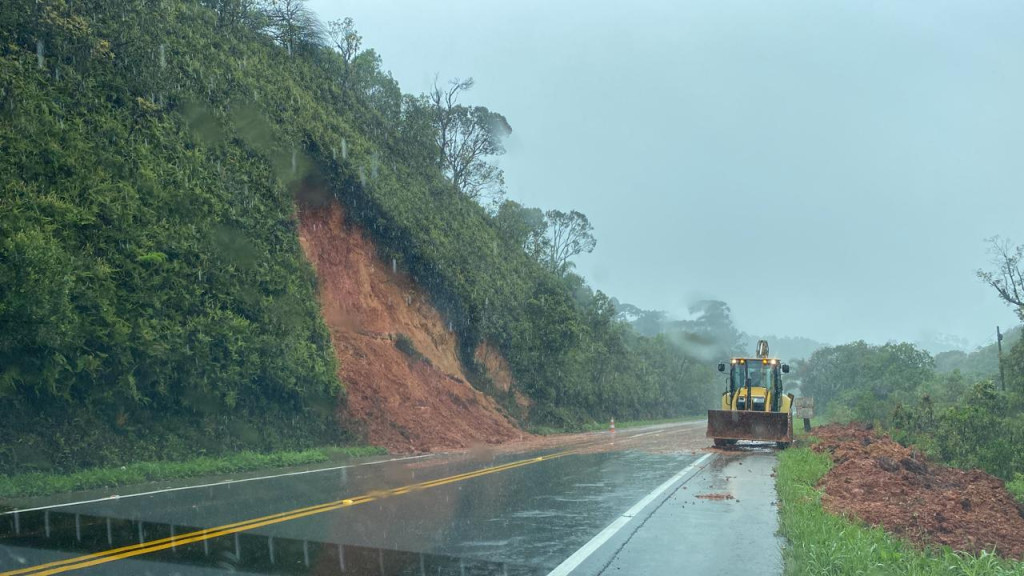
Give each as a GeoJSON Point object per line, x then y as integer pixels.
{"type": "Point", "coordinates": [45, 484]}
{"type": "Point", "coordinates": [821, 544]}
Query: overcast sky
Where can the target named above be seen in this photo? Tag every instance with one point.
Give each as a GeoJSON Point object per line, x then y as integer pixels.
{"type": "Point", "coordinates": [829, 169]}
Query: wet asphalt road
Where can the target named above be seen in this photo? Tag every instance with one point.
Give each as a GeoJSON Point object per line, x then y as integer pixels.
{"type": "Point", "coordinates": [482, 512]}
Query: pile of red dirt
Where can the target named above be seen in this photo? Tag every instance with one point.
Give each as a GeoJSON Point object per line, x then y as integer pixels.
{"type": "Point", "coordinates": [886, 484]}
{"type": "Point", "coordinates": [404, 402]}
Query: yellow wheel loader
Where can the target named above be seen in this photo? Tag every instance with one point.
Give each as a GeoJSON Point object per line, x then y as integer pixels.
{"type": "Point", "coordinates": [753, 404]}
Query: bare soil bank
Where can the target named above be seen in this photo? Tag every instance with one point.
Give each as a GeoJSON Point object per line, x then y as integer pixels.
{"type": "Point", "coordinates": [893, 486]}
{"type": "Point", "coordinates": [400, 402]}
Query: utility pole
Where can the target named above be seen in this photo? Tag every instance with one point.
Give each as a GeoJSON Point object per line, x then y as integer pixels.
{"type": "Point", "coordinates": [999, 345]}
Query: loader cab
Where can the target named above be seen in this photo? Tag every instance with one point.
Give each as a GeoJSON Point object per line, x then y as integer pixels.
{"type": "Point", "coordinates": [752, 382]}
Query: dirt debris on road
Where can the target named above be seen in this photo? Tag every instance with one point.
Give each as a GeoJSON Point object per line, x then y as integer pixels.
{"type": "Point", "coordinates": [716, 496]}
{"type": "Point", "coordinates": [886, 484]}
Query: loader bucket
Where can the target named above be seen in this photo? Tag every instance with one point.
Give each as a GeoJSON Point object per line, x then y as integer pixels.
{"type": "Point", "coordinates": [750, 425]}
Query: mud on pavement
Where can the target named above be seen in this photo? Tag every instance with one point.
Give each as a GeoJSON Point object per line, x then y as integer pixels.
{"type": "Point", "coordinates": [885, 484]}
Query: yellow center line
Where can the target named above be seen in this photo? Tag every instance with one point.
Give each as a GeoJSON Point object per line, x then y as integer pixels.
{"type": "Point", "coordinates": [113, 554]}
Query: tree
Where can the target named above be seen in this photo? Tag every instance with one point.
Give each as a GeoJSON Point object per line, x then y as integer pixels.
{"type": "Point", "coordinates": [523, 227]}
{"type": "Point", "coordinates": [466, 136]}
{"type": "Point", "coordinates": [1008, 278]}
{"type": "Point", "coordinates": [568, 235]}
{"type": "Point", "coordinates": [345, 39]}
{"type": "Point", "coordinates": [865, 381]}
{"type": "Point", "coordinates": [292, 24]}
{"type": "Point", "coordinates": [376, 86]}
{"type": "Point", "coordinates": [233, 12]}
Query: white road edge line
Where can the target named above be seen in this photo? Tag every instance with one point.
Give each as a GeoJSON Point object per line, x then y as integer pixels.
{"type": "Point", "coordinates": [150, 493]}
{"type": "Point", "coordinates": [572, 562]}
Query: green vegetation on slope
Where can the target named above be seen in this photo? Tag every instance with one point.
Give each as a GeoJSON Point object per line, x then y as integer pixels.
{"type": "Point", "coordinates": [820, 543]}
{"type": "Point", "coordinates": [153, 296]}
{"type": "Point", "coordinates": [154, 300]}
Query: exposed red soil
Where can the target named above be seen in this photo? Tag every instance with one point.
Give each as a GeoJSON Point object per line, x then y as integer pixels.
{"type": "Point", "coordinates": [402, 403]}
{"type": "Point", "coordinates": [885, 484]}
{"type": "Point", "coordinates": [496, 366]}
{"type": "Point", "coordinates": [500, 373]}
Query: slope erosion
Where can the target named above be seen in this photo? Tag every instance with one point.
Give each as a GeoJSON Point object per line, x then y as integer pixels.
{"type": "Point", "coordinates": [417, 399]}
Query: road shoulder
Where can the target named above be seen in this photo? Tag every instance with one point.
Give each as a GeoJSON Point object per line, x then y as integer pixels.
{"type": "Point", "coordinates": [695, 525]}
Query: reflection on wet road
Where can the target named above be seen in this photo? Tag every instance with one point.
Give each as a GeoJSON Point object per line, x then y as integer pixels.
{"type": "Point", "coordinates": [483, 512]}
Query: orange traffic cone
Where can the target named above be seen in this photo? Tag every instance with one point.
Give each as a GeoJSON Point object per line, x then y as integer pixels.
{"type": "Point", "coordinates": [612, 429]}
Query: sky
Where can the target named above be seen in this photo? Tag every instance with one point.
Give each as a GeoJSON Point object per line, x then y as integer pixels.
{"type": "Point", "coordinates": [830, 170]}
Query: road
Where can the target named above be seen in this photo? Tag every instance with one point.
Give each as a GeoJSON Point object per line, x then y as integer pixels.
{"type": "Point", "coordinates": [652, 500]}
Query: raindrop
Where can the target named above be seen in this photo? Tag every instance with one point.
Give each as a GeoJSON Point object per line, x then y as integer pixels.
{"type": "Point", "coordinates": [334, 153]}
{"type": "Point", "coordinates": [294, 160]}
{"type": "Point", "coordinates": [39, 53]}
{"type": "Point", "coordinates": [394, 266]}
{"type": "Point", "coordinates": [344, 149]}
{"type": "Point", "coordinates": [362, 176]}
{"type": "Point", "coordinates": [163, 55]}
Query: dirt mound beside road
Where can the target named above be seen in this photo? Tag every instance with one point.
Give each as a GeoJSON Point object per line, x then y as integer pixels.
{"type": "Point", "coordinates": [885, 484]}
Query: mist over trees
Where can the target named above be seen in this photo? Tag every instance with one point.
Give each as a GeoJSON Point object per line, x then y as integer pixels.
{"type": "Point", "coordinates": [712, 333]}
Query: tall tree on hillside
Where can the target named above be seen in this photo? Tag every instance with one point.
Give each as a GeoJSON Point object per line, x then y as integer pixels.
{"type": "Point", "coordinates": [345, 39]}
{"type": "Point", "coordinates": [523, 227]}
{"type": "Point", "coordinates": [569, 234]}
{"type": "Point", "coordinates": [292, 23]}
{"type": "Point", "coordinates": [233, 12]}
{"type": "Point", "coordinates": [466, 136]}
{"type": "Point", "coordinates": [1008, 278]}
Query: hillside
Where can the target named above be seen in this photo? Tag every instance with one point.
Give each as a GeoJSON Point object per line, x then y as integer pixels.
{"type": "Point", "coordinates": [982, 362]}
{"type": "Point", "coordinates": [416, 399]}
{"type": "Point", "coordinates": [162, 163]}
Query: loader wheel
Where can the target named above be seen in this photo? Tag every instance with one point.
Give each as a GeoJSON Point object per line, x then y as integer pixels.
{"type": "Point", "coordinates": [782, 445]}
{"type": "Point", "coordinates": [720, 442]}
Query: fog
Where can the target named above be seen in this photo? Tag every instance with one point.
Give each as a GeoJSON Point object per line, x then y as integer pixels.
{"type": "Point", "coordinates": [831, 170]}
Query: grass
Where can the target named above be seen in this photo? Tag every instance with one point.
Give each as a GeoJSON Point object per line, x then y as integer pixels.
{"type": "Point", "coordinates": [598, 426]}
{"type": "Point", "coordinates": [45, 484]}
{"type": "Point", "coordinates": [822, 544]}
{"type": "Point", "coordinates": [1016, 487]}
